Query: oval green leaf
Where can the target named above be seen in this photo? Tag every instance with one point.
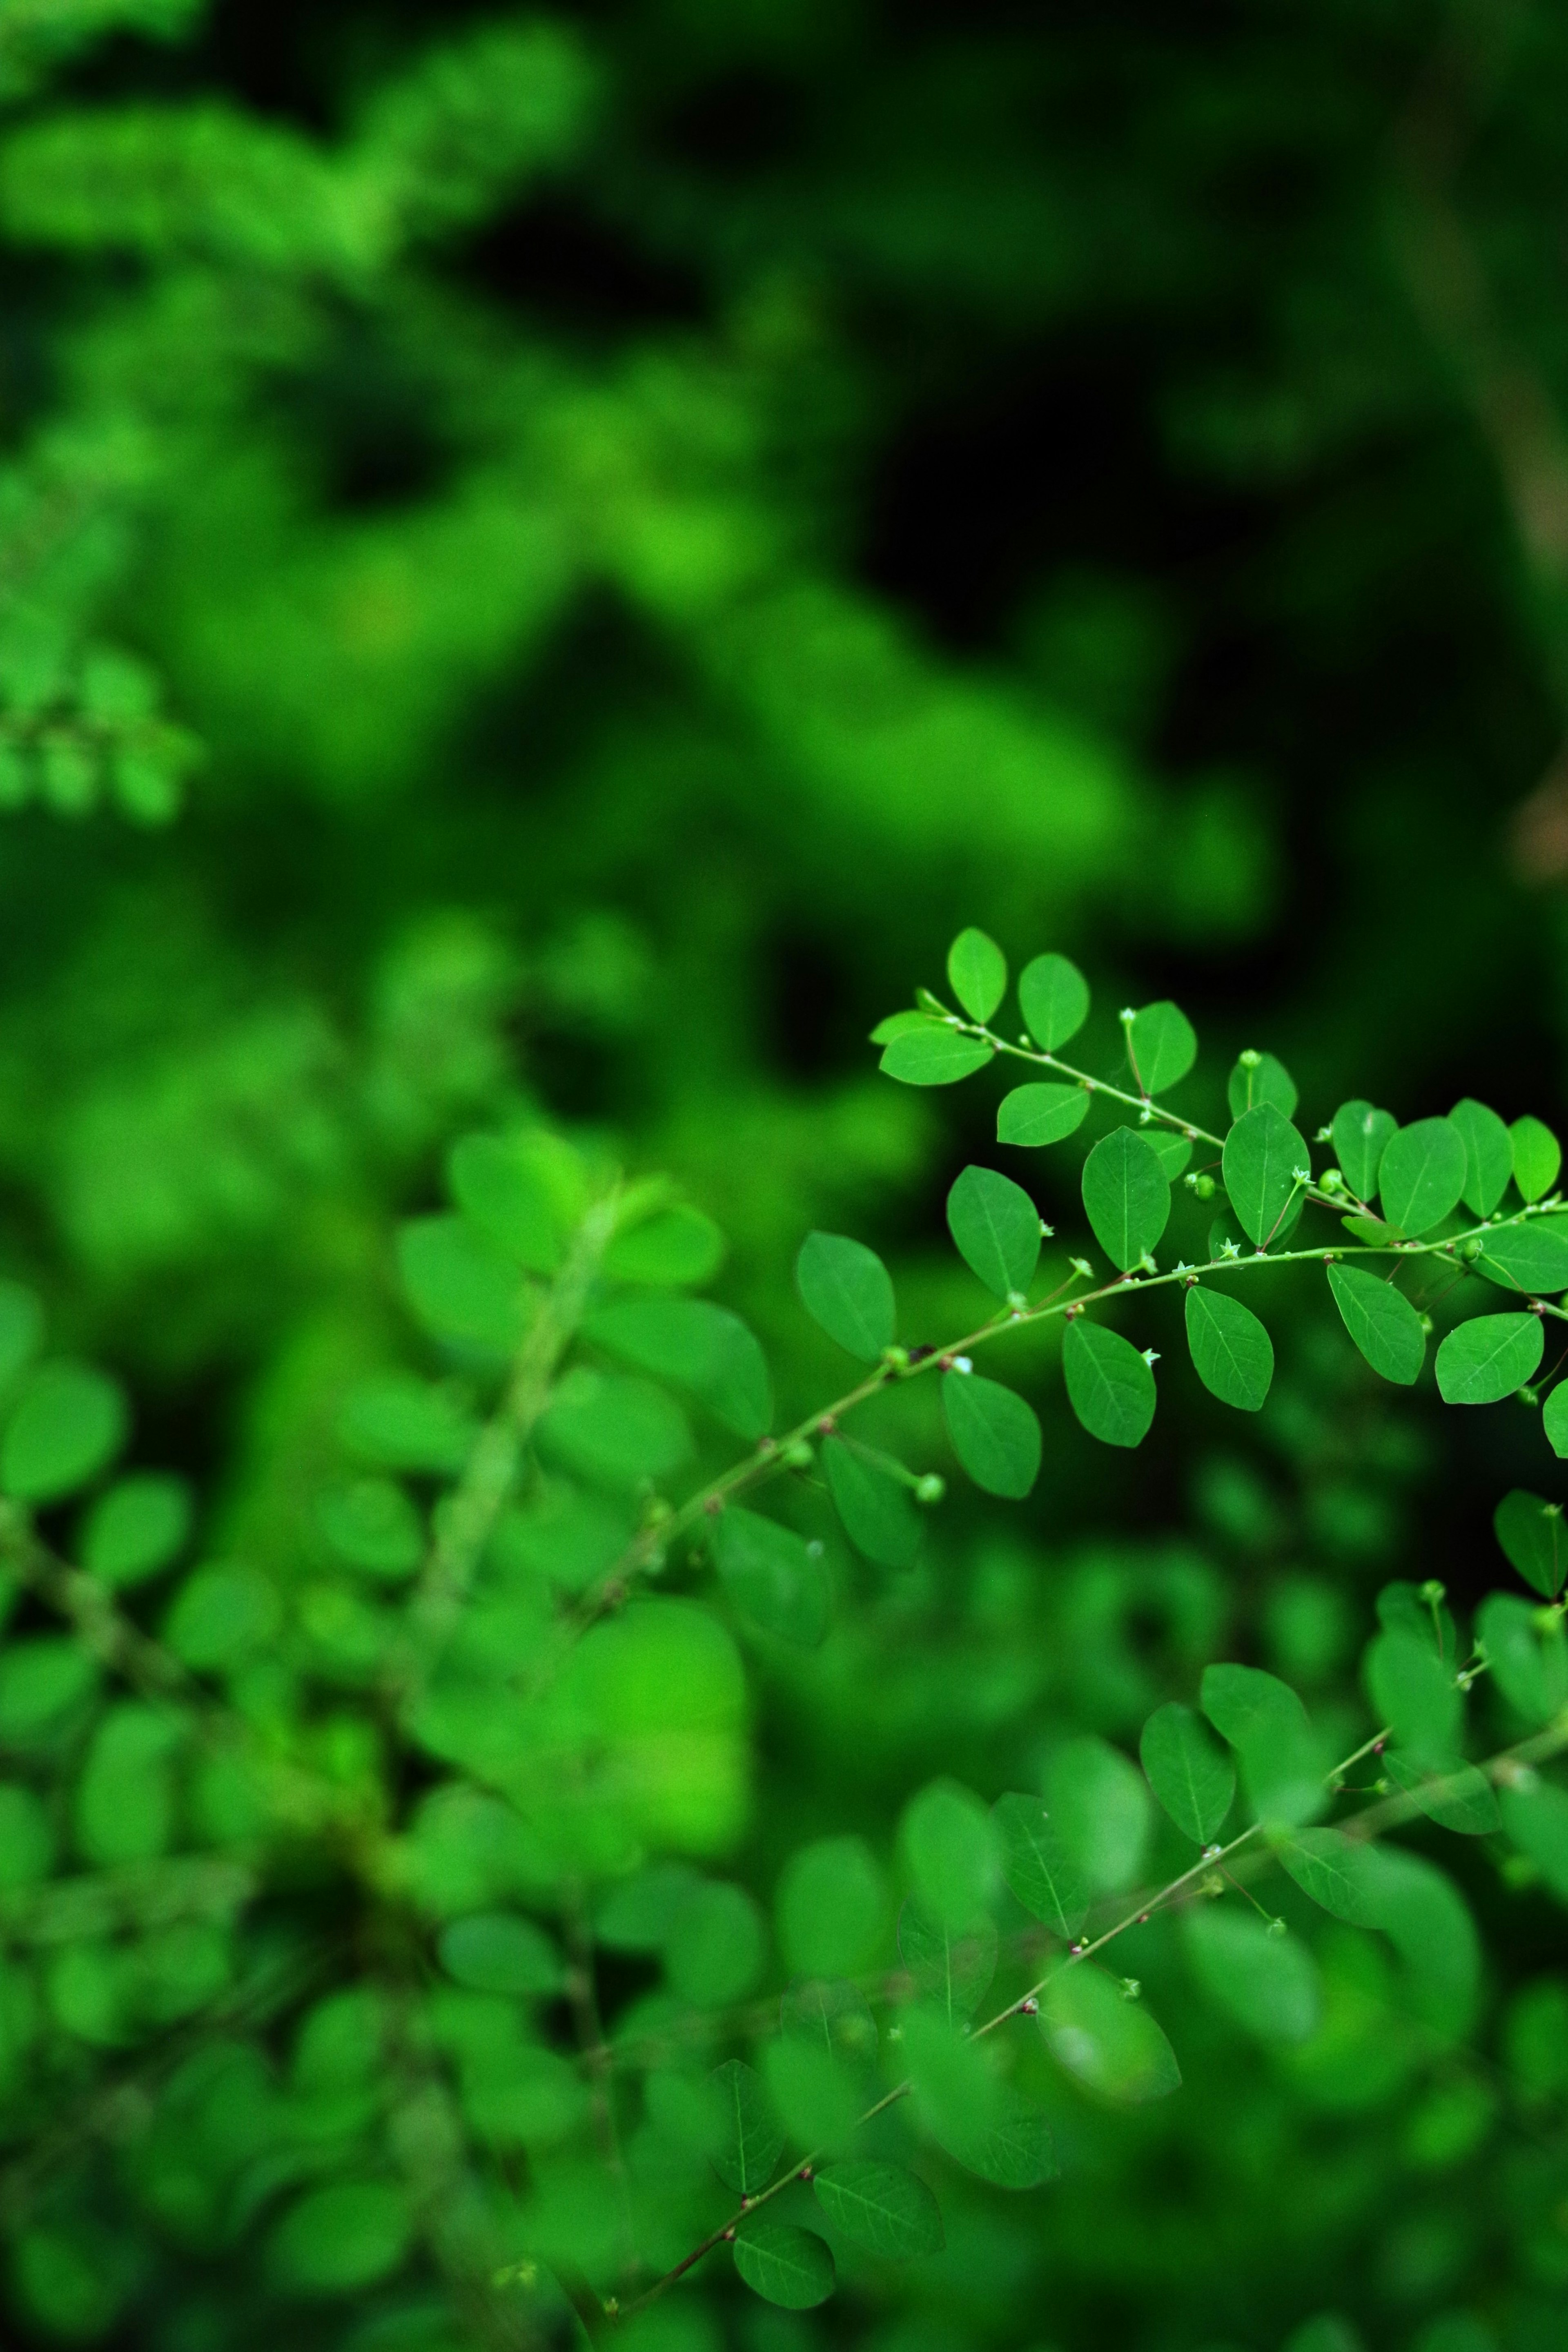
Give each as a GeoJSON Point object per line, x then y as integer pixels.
{"type": "Point", "coordinates": [1264, 1164]}
{"type": "Point", "coordinates": [879, 1517]}
{"type": "Point", "coordinates": [1554, 1421]}
{"type": "Point", "coordinates": [1110, 1386]}
{"type": "Point", "coordinates": [1162, 1046]}
{"type": "Point", "coordinates": [67, 1424]}
{"type": "Point", "coordinates": [1190, 1774]}
{"type": "Point", "coordinates": [1265, 1982]}
{"type": "Point", "coordinates": [1422, 1174]}
{"type": "Point", "coordinates": [1488, 1358]}
{"type": "Point", "coordinates": [1038, 1865]}
{"type": "Point", "coordinates": [747, 2140]}
{"type": "Point", "coordinates": [1126, 1196]}
{"type": "Point", "coordinates": [1055, 998]}
{"type": "Point", "coordinates": [848, 1292]}
{"type": "Point", "coordinates": [1260, 1079]}
{"type": "Point", "coordinates": [703, 1347]}
{"type": "Point", "coordinates": [1382, 1322]}
{"type": "Point", "coordinates": [1360, 1134]}
{"type": "Point", "coordinates": [1040, 1114]}
{"type": "Point", "coordinates": [977, 973]}
{"type": "Point", "coordinates": [772, 1575]}
{"type": "Point", "coordinates": [1530, 1258]}
{"type": "Point", "coordinates": [880, 2207]}
{"type": "Point", "coordinates": [1489, 1155]}
{"type": "Point", "coordinates": [1106, 2041]}
{"type": "Point", "coordinates": [935, 1054]}
{"type": "Point", "coordinates": [995, 1226]}
{"type": "Point", "coordinates": [785, 2265]}
{"type": "Point", "coordinates": [1533, 1540]}
{"type": "Point", "coordinates": [995, 1435]}
{"type": "Point", "coordinates": [1232, 1354]}
{"type": "Point", "coordinates": [1537, 1157]}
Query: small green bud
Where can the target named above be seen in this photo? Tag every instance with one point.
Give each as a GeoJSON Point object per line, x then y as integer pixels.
{"type": "Point", "coordinates": [798, 1456]}
{"type": "Point", "coordinates": [1432, 1592]}
{"type": "Point", "coordinates": [1204, 1187]}
{"type": "Point", "coordinates": [1527, 1395]}
{"type": "Point", "coordinates": [1250, 1059]}
{"type": "Point", "coordinates": [1331, 1180]}
{"type": "Point", "coordinates": [1471, 1249]}
{"type": "Point", "coordinates": [1278, 1927]}
{"type": "Point", "coordinates": [1427, 1324]}
{"type": "Point", "coordinates": [930, 1489]}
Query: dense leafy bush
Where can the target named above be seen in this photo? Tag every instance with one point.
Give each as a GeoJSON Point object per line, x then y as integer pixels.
{"type": "Point", "coordinates": [370, 1938]}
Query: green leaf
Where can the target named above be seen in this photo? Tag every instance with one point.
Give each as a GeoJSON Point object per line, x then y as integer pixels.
{"type": "Point", "coordinates": [1413, 1690]}
{"type": "Point", "coordinates": [1126, 1196]}
{"type": "Point", "coordinates": [1422, 1174]}
{"type": "Point", "coordinates": [1382, 1322]}
{"type": "Point", "coordinates": [1040, 1114]}
{"type": "Point", "coordinates": [1263, 1163]}
{"type": "Point", "coordinates": [1536, 1819]}
{"type": "Point", "coordinates": [830, 1903]}
{"type": "Point", "coordinates": [67, 1424]}
{"type": "Point", "coordinates": [995, 1227]}
{"type": "Point", "coordinates": [461, 1285]}
{"type": "Point", "coordinates": [977, 973]}
{"type": "Point", "coordinates": [1554, 1421]}
{"type": "Point", "coordinates": [846, 1290]}
{"type": "Point", "coordinates": [1161, 1047]}
{"type": "Point", "coordinates": [716, 1945]}
{"type": "Point", "coordinates": [1360, 1134]}
{"type": "Point", "coordinates": [404, 1424]}
{"type": "Point", "coordinates": [897, 1024]}
{"type": "Point", "coordinates": [984, 2123]}
{"type": "Point", "coordinates": [1489, 1155]}
{"type": "Point", "coordinates": [1172, 1150]}
{"type": "Point", "coordinates": [995, 1435]}
{"type": "Point", "coordinates": [1533, 1540]}
{"type": "Point", "coordinates": [1009, 2145]}
{"type": "Point", "coordinates": [1106, 2041]}
{"type": "Point", "coordinates": [1232, 1354]}
{"type": "Point", "coordinates": [952, 1961]}
{"type": "Point", "coordinates": [1531, 1258]}
{"type": "Point", "coordinates": [1529, 1660]}
{"type": "Point", "coordinates": [880, 2207]}
{"type": "Point", "coordinates": [673, 1249]}
{"type": "Point", "coordinates": [1041, 1871]}
{"type": "Point", "coordinates": [1537, 1157]}
{"type": "Point", "coordinates": [220, 1616]}
{"type": "Point", "coordinates": [370, 1524]}
{"type": "Point", "coordinates": [783, 2264]}
{"type": "Point", "coordinates": [747, 2140]}
{"type": "Point", "coordinates": [1109, 1385]}
{"type": "Point", "coordinates": [771, 1574]}
{"type": "Point", "coordinates": [1264, 1721]}
{"type": "Point", "coordinates": [136, 1529]}
{"type": "Point", "coordinates": [879, 1517]}
{"type": "Point", "coordinates": [41, 1680]}
{"type": "Point", "coordinates": [1055, 998]}
{"type": "Point", "coordinates": [492, 1952]}
{"type": "Point", "coordinates": [1488, 1358]}
{"type": "Point", "coordinates": [1260, 1079]}
{"type": "Point", "coordinates": [1100, 1808]}
{"type": "Point", "coordinates": [1325, 1865]}
{"type": "Point", "coordinates": [935, 1054]}
{"type": "Point", "coordinates": [520, 1193]}
{"type": "Point", "coordinates": [342, 2239]}
{"type": "Point", "coordinates": [1449, 1790]}
{"type": "Point", "coordinates": [1266, 1982]}
{"type": "Point", "coordinates": [125, 1800]}
{"type": "Point", "coordinates": [1193, 1777]}
{"type": "Point", "coordinates": [22, 1328]}
{"type": "Point", "coordinates": [613, 1431]}
{"type": "Point", "coordinates": [951, 1842]}
{"type": "Point", "coordinates": [703, 1347]}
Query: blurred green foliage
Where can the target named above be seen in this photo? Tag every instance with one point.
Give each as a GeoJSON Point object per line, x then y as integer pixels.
{"type": "Point", "coordinates": [547, 563]}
